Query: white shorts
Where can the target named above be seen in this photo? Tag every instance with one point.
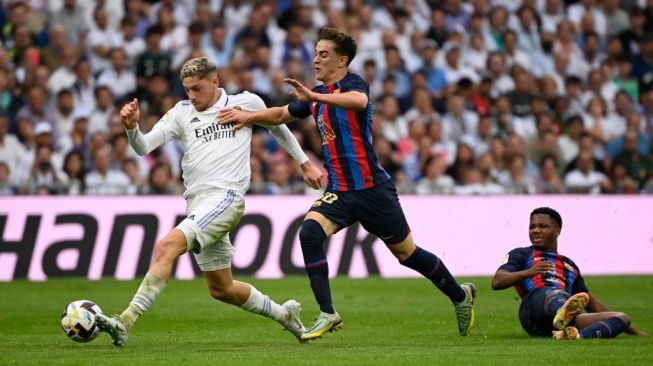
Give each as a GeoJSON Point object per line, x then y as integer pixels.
{"type": "Point", "coordinates": [209, 220]}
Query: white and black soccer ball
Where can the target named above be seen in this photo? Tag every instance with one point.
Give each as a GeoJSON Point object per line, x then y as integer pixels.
{"type": "Point", "coordinates": [78, 320]}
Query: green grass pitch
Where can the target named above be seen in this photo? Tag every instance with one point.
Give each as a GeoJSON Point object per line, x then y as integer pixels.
{"type": "Point", "coordinates": [386, 322]}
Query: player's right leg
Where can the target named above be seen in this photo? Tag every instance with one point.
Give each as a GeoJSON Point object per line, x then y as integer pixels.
{"type": "Point", "coordinates": [312, 235]}
{"type": "Point", "coordinates": [166, 251]}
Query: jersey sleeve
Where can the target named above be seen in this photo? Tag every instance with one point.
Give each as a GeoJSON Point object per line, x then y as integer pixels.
{"type": "Point", "coordinates": [167, 128]}
{"type": "Point", "coordinates": [355, 83]}
{"type": "Point", "coordinates": [299, 109]}
{"type": "Point", "coordinates": [515, 261]}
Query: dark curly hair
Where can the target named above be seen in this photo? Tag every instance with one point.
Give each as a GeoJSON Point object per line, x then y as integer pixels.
{"type": "Point", "coordinates": [553, 214]}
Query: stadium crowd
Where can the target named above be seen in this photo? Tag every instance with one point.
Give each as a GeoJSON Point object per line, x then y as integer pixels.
{"type": "Point", "coordinates": [469, 97]}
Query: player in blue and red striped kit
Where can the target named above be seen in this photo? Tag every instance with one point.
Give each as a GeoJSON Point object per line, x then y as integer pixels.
{"type": "Point", "coordinates": [358, 189]}
{"type": "Point", "coordinates": [555, 299]}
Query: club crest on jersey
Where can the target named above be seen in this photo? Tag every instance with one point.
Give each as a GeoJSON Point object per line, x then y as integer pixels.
{"type": "Point", "coordinates": [325, 131]}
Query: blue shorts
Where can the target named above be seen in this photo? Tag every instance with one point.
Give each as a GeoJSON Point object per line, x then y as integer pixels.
{"type": "Point", "coordinates": [377, 209]}
{"type": "Point", "coordinates": [533, 318]}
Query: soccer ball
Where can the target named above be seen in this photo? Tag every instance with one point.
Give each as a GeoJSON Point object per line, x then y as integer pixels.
{"type": "Point", "coordinates": [78, 320]}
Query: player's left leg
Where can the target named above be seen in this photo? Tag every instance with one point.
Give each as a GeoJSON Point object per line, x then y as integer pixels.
{"type": "Point", "coordinates": [601, 325]}
{"type": "Point", "coordinates": [432, 267]}
{"type": "Point", "coordinates": [223, 287]}
{"type": "Point", "coordinates": [379, 211]}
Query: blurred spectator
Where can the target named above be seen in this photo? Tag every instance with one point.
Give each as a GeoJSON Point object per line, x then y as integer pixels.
{"type": "Point", "coordinates": [279, 179]}
{"type": "Point", "coordinates": [585, 178]}
{"type": "Point", "coordinates": [464, 161]}
{"type": "Point", "coordinates": [10, 97]}
{"type": "Point", "coordinates": [84, 87]}
{"type": "Point", "coordinates": [54, 53]}
{"type": "Point", "coordinates": [637, 165]}
{"type": "Point", "coordinates": [136, 11]}
{"type": "Point", "coordinates": [63, 76]}
{"type": "Point", "coordinates": [568, 142]}
{"type": "Point", "coordinates": [63, 112]}
{"type": "Point", "coordinates": [74, 174]}
{"type": "Point", "coordinates": [119, 77]}
{"type": "Point", "coordinates": [622, 183]}
{"type": "Point", "coordinates": [436, 79]}
{"type": "Point", "coordinates": [104, 180]}
{"type": "Point", "coordinates": [179, 11]}
{"type": "Point", "coordinates": [76, 139]}
{"type": "Point", "coordinates": [601, 125]}
{"type": "Point", "coordinates": [133, 44]}
{"type": "Point", "coordinates": [104, 109]}
{"type": "Point", "coordinates": [71, 18]}
{"type": "Point", "coordinates": [514, 180]}
{"type": "Point", "coordinates": [43, 177]}
{"type": "Point", "coordinates": [101, 41]}
{"type": "Point", "coordinates": [174, 34]}
{"type": "Point", "coordinates": [434, 180]}
{"type": "Point", "coordinates": [219, 45]}
{"type": "Point", "coordinates": [481, 138]}
{"type": "Point", "coordinates": [393, 126]}
{"type": "Point", "coordinates": [7, 188]}
{"type": "Point", "coordinates": [458, 121]}
{"type": "Point", "coordinates": [160, 179]}
{"type": "Point", "coordinates": [394, 66]}
{"type": "Point", "coordinates": [11, 150]}
{"type": "Point", "coordinates": [477, 76]}
{"type": "Point", "coordinates": [36, 109]}
{"type": "Point", "coordinates": [548, 181]}
{"type": "Point", "coordinates": [422, 107]}
{"type": "Point", "coordinates": [153, 61]}
{"type": "Point", "coordinates": [293, 47]}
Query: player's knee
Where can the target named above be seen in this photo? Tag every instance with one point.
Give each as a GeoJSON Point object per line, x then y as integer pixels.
{"type": "Point", "coordinates": [167, 250]}
{"type": "Point", "coordinates": [311, 233]}
{"type": "Point", "coordinates": [624, 318]}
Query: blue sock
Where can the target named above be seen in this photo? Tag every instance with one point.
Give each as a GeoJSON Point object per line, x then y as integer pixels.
{"type": "Point", "coordinates": [555, 302]}
{"type": "Point", "coordinates": [432, 268]}
{"type": "Point", "coordinates": [312, 237]}
{"type": "Point", "coordinates": [608, 328]}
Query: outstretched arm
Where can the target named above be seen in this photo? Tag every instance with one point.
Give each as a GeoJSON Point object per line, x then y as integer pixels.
{"type": "Point", "coordinates": [271, 117]}
{"type": "Point", "coordinates": [503, 279]}
{"type": "Point", "coordinates": [595, 306]}
{"type": "Point", "coordinates": [142, 144]}
{"type": "Point", "coordinates": [354, 100]}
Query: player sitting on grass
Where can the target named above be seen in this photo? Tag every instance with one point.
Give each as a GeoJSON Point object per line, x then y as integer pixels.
{"type": "Point", "coordinates": [555, 299]}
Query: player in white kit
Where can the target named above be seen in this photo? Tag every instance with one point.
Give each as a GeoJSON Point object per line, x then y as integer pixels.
{"type": "Point", "coordinates": [216, 174]}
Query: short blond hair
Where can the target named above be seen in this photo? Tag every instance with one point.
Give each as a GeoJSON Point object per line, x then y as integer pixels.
{"type": "Point", "coordinates": [200, 67]}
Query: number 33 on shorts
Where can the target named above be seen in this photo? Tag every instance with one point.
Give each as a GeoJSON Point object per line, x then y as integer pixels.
{"type": "Point", "coordinates": [329, 197]}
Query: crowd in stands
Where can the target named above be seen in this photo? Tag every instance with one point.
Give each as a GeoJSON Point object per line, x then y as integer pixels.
{"type": "Point", "coordinates": [469, 96]}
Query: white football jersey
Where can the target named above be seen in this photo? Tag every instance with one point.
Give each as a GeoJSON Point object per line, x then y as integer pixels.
{"type": "Point", "coordinates": [215, 155]}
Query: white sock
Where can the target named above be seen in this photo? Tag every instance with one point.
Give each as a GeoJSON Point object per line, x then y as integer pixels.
{"type": "Point", "coordinates": [261, 304]}
{"type": "Point", "coordinates": [148, 291]}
